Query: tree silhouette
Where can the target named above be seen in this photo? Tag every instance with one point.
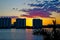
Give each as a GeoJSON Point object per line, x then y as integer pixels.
{"type": "Point", "coordinates": [54, 29]}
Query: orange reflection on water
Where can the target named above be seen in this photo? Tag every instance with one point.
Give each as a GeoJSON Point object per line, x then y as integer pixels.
{"type": "Point", "coordinates": [29, 35]}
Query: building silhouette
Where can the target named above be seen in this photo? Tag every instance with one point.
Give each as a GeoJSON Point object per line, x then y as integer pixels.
{"type": "Point", "coordinates": [20, 23]}
{"type": "Point", "coordinates": [37, 23]}
{"type": "Point", "coordinates": [5, 22]}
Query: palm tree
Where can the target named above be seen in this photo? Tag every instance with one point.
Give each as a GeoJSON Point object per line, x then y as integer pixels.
{"type": "Point", "coordinates": [54, 23]}
{"type": "Point", "coordinates": [54, 29]}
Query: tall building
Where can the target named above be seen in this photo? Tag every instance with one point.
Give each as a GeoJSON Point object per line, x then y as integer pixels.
{"type": "Point", "coordinates": [37, 23]}
{"type": "Point", "coordinates": [5, 22]}
{"type": "Point", "coordinates": [20, 23]}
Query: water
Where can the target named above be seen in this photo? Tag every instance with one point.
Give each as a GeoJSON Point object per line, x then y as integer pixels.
{"type": "Point", "coordinates": [19, 34]}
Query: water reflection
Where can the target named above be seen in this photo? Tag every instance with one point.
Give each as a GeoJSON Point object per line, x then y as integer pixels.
{"type": "Point", "coordinates": [19, 34]}
{"type": "Point", "coordinates": [30, 36]}
{"type": "Point", "coordinates": [5, 34]}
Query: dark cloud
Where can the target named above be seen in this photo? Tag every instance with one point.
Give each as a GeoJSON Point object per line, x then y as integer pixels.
{"type": "Point", "coordinates": [36, 5]}
{"type": "Point", "coordinates": [51, 6]}
{"type": "Point", "coordinates": [43, 9]}
{"type": "Point", "coordinates": [15, 9]}
{"type": "Point", "coordinates": [36, 12]}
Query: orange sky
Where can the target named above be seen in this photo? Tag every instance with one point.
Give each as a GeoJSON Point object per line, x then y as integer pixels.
{"type": "Point", "coordinates": [45, 21]}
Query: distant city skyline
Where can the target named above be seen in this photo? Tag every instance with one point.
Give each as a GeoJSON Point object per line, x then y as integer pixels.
{"type": "Point", "coordinates": [23, 22]}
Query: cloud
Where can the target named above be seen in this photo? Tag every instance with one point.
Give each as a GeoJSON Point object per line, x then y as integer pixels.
{"type": "Point", "coordinates": [15, 8]}
{"type": "Point", "coordinates": [36, 5]}
{"type": "Point", "coordinates": [36, 12]}
{"type": "Point", "coordinates": [49, 6]}
{"type": "Point", "coordinates": [43, 9]}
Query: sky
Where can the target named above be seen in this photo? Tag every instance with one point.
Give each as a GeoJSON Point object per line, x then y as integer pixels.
{"type": "Point", "coordinates": [7, 5]}
{"type": "Point", "coordinates": [31, 9]}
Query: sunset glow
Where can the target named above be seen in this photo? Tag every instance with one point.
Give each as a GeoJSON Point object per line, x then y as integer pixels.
{"type": "Point", "coordinates": [29, 9]}
{"type": "Point", "coordinates": [29, 21]}
{"type": "Point", "coordinates": [13, 20]}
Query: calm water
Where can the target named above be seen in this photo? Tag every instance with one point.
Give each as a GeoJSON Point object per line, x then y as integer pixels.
{"type": "Point", "coordinates": [19, 34]}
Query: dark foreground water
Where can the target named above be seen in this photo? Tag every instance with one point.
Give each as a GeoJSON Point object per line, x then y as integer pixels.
{"type": "Point", "coordinates": [19, 34]}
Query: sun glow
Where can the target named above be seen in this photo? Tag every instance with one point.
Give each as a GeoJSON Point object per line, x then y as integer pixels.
{"type": "Point", "coordinates": [29, 21]}
{"type": "Point", "coordinates": [56, 15]}
{"type": "Point", "coordinates": [47, 21]}
{"type": "Point", "coordinates": [13, 20]}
